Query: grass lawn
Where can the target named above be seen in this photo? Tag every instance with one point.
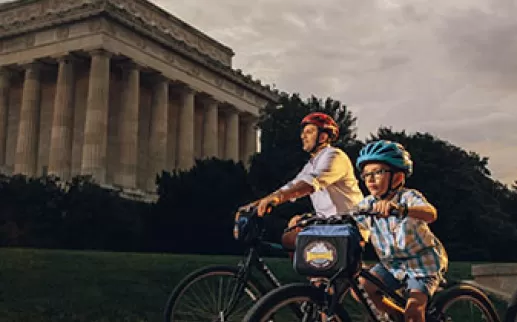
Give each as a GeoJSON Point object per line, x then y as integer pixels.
{"type": "Point", "coordinates": [55, 285]}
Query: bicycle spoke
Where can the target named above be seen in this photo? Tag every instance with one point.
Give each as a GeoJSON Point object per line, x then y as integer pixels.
{"type": "Point", "coordinates": [465, 308]}
{"type": "Point", "coordinates": [210, 298]}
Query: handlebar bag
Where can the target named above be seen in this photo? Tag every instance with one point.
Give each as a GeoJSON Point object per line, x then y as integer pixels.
{"type": "Point", "coordinates": [248, 227]}
{"type": "Point", "coordinates": [324, 250]}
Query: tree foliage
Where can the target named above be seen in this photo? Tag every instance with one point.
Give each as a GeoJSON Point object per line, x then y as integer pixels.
{"type": "Point", "coordinates": [195, 209]}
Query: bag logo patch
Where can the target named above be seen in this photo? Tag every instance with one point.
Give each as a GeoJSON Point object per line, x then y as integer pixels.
{"type": "Point", "coordinates": [319, 254]}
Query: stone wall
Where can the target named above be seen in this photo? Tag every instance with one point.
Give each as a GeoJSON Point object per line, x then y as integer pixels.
{"type": "Point", "coordinates": [499, 279]}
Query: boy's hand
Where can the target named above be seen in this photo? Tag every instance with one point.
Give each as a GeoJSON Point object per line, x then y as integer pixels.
{"type": "Point", "coordinates": [384, 207]}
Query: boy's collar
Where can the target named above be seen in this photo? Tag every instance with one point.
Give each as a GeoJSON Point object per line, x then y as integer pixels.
{"type": "Point", "coordinates": [394, 195]}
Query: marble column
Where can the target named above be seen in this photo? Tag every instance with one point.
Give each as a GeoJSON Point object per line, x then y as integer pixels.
{"type": "Point", "coordinates": [128, 127]}
{"type": "Point", "coordinates": [5, 84]}
{"type": "Point", "coordinates": [27, 141]}
{"type": "Point", "coordinates": [60, 157]}
{"type": "Point", "coordinates": [158, 131]}
{"type": "Point", "coordinates": [232, 135]}
{"type": "Point", "coordinates": [210, 128]}
{"type": "Point", "coordinates": [185, 146]}
{"type": "Point", "coordinates": [250, 144]}
{"type": "Point", "coordinates": [96, 119]}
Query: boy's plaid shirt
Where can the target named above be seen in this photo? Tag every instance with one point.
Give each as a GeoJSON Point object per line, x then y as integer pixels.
{"type": "Point", "coordinates": [406, 247]}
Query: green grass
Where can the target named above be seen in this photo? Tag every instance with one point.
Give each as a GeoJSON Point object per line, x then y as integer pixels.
{"type": "Point", "coordinates": [55, 285]}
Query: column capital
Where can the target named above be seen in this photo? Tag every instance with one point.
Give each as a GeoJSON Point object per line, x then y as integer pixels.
{"type": "Point", "coordinates": [5, 71]}
{"type": "Point", "coordinates": [68, 58]}
{"type": "Point", "coordinates": [187, 89]}
{"type": "Point", "coordinates": [99, 52]}
{"type": "Point", "coordinates": [249, 118]}
{"type": "Point", "coordinates": [131, 64]}
{"type": "Point", "coordinates": [30, 64]}
{"type": "Point", "coordinates": [158, 77]}
{"type": "Point", "coordinates": [63, 56]}
{"type": "Point", "coordinates": [229, 109]}
{"type": "Point", "coordinates": [208, 99]}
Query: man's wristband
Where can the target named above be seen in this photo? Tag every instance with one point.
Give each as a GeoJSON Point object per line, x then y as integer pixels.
{"type": "Point", "coordinates": [278, 196]}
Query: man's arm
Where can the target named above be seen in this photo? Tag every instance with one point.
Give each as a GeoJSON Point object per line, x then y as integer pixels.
{"type": "Point", "coordinates": [272, 197]}
{"type": "Point", "coordinates": [297, 190]}
{"type": "Point", "coordinates": [329, 168]}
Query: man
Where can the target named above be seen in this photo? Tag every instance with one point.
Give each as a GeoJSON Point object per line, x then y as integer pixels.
{"type": "Point", "coordinates": [328, 177]}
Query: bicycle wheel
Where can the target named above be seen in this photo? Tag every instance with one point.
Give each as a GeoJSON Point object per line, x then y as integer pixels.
{"type": "Point", "coordinates": [463, 302]}
{"type": "Point", "coordinates": [511, 313]}
{"type": "Point", "coordinates": [211, 294]}
{"type": "Point", "coordinates": [292, 302]}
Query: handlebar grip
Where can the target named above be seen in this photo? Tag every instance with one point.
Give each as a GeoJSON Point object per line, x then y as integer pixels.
{"type": "Point", "coordinates": [270, 207]}
{"type": "Point", "coordinates": [393, 212]}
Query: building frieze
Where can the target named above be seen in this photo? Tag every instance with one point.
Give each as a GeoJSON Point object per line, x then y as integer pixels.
{"type": "Point", "coordinates": [22, 17]}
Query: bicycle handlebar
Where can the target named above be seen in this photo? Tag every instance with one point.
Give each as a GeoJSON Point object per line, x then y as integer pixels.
{"type": "Point", "coordinates": [253, 208]}
{"type": "Point", "coordinates": [311, 218]}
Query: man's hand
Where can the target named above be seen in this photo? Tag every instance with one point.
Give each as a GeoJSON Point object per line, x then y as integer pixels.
{"type": "Point", "coordinates": [384, 207]}
{"type": "Point", "coordinates": [264, 203]}
{"type": "Point", "coordinates": [289, 238]}
{"type": "Point", "coordinates": [249, 206]}
{"type": "Point", "coordinates": [294, 220]}
{"type": "Point", "coordinates": [245, 208]}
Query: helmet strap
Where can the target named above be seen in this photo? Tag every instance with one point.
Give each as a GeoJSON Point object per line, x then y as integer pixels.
{"type": "Point", "coordinates": [317, 144]}
{"type": "Point", "coordinates": [391, 189]}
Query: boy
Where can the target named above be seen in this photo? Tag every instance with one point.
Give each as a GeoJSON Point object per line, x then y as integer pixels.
{"type": "Point", "coordinates": [410, 255]}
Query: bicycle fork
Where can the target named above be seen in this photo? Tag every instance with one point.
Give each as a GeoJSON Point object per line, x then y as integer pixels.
{"type": "Point", "coordinates": [238, 290]}
{"type": "Point", "coordinates": [367, 301]}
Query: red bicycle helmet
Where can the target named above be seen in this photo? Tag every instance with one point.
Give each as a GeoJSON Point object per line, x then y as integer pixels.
{"type": "Point", "coordinates": [324, 122]}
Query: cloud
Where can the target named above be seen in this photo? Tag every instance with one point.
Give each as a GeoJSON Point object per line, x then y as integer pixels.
{"type": "Point", "coordinates": [444, 67]}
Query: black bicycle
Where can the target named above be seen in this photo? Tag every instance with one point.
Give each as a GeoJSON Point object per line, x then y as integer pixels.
{"type": "Point", "coordinates": [225, 293]}
{"type": "Point", "coordinates": [511, 313]}
{"type": "Point", "coordinates": [330, 251]}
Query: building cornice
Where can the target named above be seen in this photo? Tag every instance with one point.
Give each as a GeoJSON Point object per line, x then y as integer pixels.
{"type": "Point", "coordinates": [21, 17]}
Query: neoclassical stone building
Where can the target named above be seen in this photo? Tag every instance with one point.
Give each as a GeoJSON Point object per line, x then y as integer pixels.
{"type": "Point", "coordinates": [117, 89]}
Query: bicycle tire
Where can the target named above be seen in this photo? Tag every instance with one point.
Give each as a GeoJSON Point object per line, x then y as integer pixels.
{"type": "Point", "coordinates": [454, 292]}
{"type": "Point", "coordinates": [261, 310]}
{"type": "Point", "coordinates": [198, 275]}
{"type": "Point", "coordinates": [511, 312]}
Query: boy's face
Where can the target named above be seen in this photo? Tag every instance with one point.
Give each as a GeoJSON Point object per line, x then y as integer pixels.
{"type": "Point", "coordinates": [376, 176]}
{"type": "Point", "coordinates": [309, 137]}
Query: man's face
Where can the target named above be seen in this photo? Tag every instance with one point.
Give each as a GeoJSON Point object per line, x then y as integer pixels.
{"type": "Point", "coordinates": [309, 137]}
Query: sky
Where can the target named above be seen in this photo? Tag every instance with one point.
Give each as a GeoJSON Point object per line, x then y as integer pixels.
{"type": "Point", "coordinates": [444, 67]}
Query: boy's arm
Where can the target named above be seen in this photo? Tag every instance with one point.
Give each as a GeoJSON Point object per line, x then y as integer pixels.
{"type": "Point", "coordinates": [426, 213]}
{"type": "Point", "coordinates": [419, 208]}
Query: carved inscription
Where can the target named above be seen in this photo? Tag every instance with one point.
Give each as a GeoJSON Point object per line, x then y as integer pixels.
{"type": "Point", "coordinates": [37, 9]}
{"type": "Point", "coordinates": [169, 25]}
{"type": "Point", "coordinates": [62, 32]}
{"type": "Point", "coordinates": [95, 25]}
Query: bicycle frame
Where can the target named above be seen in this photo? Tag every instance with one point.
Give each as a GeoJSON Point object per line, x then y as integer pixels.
{"type": "Point", "coordinates": [398, 303]}
{"type": "Point", "coordinates": [250, 261]}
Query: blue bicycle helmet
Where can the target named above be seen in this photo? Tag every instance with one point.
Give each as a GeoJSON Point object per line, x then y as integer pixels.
{"type": "Point", "coordinates": [391, 153]}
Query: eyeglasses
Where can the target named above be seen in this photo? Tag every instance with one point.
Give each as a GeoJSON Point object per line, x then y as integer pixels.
{"type": "Point", "coordinates": [375, 174]}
